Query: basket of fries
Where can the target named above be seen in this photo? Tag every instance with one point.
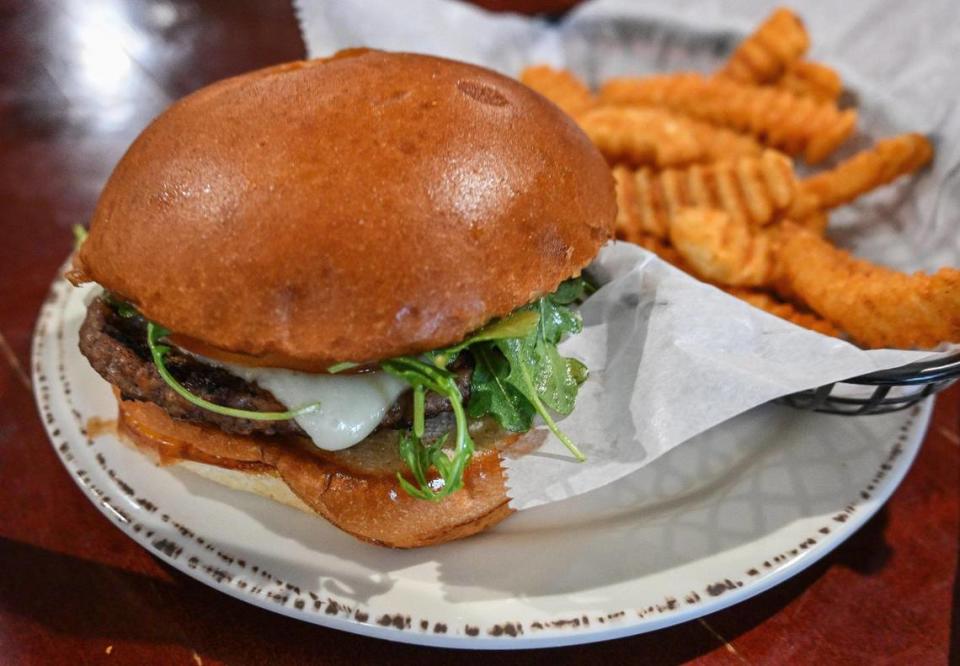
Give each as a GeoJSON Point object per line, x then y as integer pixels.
{"type": "Point", "coordinates": [704, 166]}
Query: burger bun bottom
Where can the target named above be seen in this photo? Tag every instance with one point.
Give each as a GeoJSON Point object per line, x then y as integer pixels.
{"type": "Point", "coordinates": [356, 490]}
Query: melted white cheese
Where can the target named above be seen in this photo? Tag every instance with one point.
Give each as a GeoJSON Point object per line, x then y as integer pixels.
{"type": "Point", "coordinates": [351, 406]}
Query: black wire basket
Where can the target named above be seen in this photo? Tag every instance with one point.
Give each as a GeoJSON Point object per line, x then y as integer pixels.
{"type": "Point", "coordinates": [892, 390]}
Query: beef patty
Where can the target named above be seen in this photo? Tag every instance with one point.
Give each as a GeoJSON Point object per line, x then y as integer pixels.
{"type": "Point", "coordinates": [116, 347]}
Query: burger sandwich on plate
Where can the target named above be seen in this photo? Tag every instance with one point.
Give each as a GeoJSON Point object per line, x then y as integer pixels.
{"type": "Point", "coordinates": [341, 283]}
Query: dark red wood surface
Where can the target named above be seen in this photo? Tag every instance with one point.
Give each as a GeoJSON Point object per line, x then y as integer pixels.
{"type": "Point", "coordinates": [78, 81]}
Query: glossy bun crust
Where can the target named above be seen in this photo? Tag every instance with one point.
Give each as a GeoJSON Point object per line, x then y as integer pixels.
{"type": "Point", "coordinates": [353, 209]}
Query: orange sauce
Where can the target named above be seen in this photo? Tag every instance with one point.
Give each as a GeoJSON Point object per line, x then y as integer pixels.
{"type": "Point", "coordinates": [167, 448]}
{"type": "Point", "coordinates": [96, 427]}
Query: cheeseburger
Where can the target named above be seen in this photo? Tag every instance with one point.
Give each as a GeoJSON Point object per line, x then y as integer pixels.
{"type": "Point", "coordinates": [341, 284]}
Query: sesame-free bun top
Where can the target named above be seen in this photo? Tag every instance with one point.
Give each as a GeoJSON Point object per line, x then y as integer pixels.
{"type": "Point", "coordinates": [352, 209]}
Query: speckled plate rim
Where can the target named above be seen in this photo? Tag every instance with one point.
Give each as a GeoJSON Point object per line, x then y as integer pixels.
{"type": "Point", "coordinates": [193, 556]}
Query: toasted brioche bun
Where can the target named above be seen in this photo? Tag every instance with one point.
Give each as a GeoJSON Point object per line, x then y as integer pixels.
{"type": "Point", "coordinates": [354, 209]}
{"type": "Point", "coordinates": [356, 489]}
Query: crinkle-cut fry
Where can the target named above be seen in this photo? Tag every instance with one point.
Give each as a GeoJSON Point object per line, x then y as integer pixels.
{"type": "Point", "coordinates": [816, 221]}
{"type": "Point", "coordinates": [885, 161]}
{"type": "Point", "coordinates": [754, 190]}
{"type": "Point", "coordinates": [806, 78]}
{"type": "Point", "coordinates": [629, 224]}
{"type": "Point", "coordinates": [720, 249]}
{"type": "Point", "coordinates": [765, 54]}
{"type": "Point", "coordinates": [876, 306]}
{"type": "Point", "coordinates": [765, 301]}
{"type": "Point", "coordinates": [655, 136]}
{"type": "Point", "coordinates": [641, 136]}
{"type": "Point", "coordinates": [651, 136]}
{"type": "Point", "coordinates": [641, 204]}
{"type": "Point", "coordinates": [721, 143]}
{"type": "Point", "coordinates": [560, 86]}
{"type": "Point", "coordinates": [796, 125]}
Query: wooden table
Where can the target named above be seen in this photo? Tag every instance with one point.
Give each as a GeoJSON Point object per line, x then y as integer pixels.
{"type": "Point", "coordinates": [78, 81]}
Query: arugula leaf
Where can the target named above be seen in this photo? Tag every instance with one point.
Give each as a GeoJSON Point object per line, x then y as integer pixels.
{"type": "Point", "coordinates": [571, 291]}
{"type": "Point", "coordinates": [525, 370]}
{"type": "Point", "coordinates": [122, 308]}
{"type": "Point", "coordinates": [419, 458]}
{"type": "Point", "coordinates": [79, 236]}
{"type": "Point", "coordinates": [515, 325]}
{"type": "Point", "coordinates": [557, 320]}
{"type": "Point", "coordinates": [340, 367]}
{"type": "Point", "coordinates": [418, 455]}
{"type": "Point", "coordinates": [553, 376]}
{"type": "Point", "coordinates": [517, 374]}
{"type": "Point", "coordinates": [159, 352]}
{"type": "Point", "coordinates": [515, 378]}
{"type": "Point", "coordinates": [557, 378]}
{"type": "Point", "coordinates": [492, 392]}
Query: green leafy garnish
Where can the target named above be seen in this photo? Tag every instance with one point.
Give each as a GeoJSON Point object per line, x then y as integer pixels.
{"type": "Point", "coordinates": [340, 367]}
{"type": "Point", "coordinates": [79, 236]}
{"type": "Point", "coordinates": [122, 308]}
{"type": "Point", "coordinates": [516, 378]}
{"type": "Point", "coordinates": [572, 291]}
{"type": "Point", "coordinates": [514, 325]}
{"type": "Point", "coordinates": [159, 352]}
{"type": "Point", "coordinates": [492, 393]}
{"type": "Point", "coordinates": [518, 373]}
{"type": "Point", "coordinates": [418, 455]}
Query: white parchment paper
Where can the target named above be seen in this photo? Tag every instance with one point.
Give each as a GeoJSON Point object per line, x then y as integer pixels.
{"type": "Point", "coordinates": [669, 356]}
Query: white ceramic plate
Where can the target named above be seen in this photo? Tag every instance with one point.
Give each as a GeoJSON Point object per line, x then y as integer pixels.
{"type": "Point", "coordinates": [716, 521]}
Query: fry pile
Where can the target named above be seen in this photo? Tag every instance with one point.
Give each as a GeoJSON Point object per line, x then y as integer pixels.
{"type": "Point", "coordinates": [705, 178]}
